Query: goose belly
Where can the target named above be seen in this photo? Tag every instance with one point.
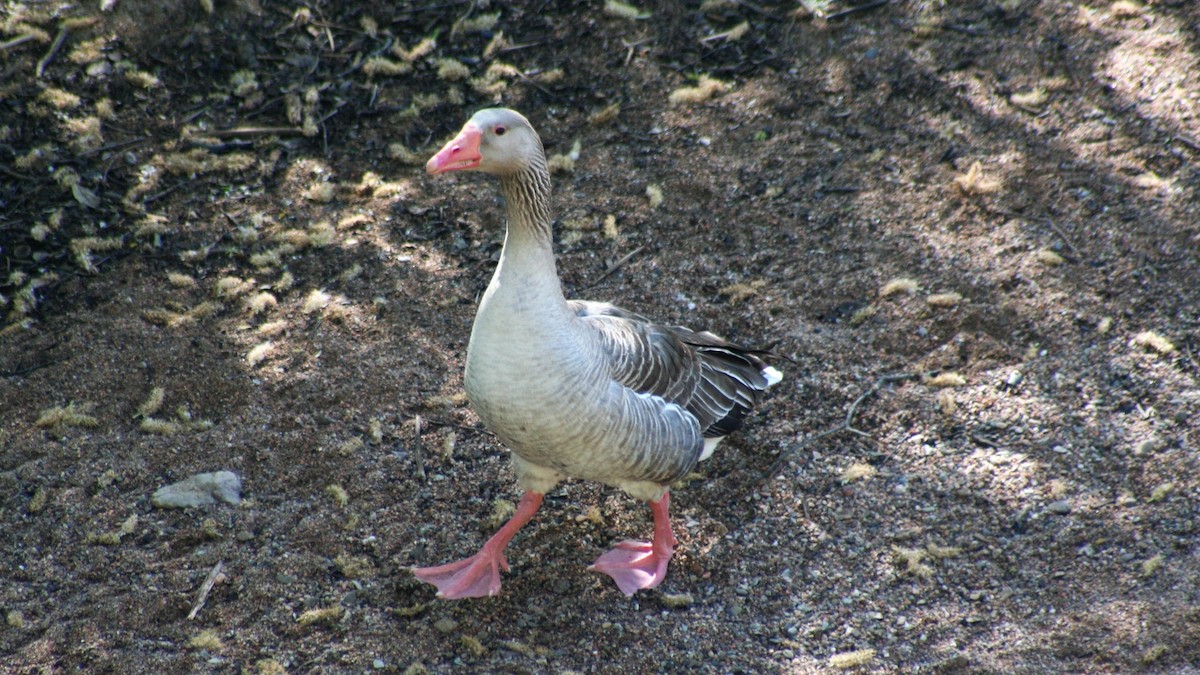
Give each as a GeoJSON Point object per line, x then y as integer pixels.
{"type": "Point", "coordinates": [561, 415]}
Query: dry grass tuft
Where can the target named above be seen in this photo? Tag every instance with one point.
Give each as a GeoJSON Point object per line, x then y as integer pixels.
{"type": "Point", "coordinates": [623, 10]}
{"type": "Point", "coordinates": [857, 471]}
{"type": "Point", "coordinates": [1049, 258]}
{"type": "Point", "coordinates": [259, 353]}
{"type": "Point", "coordinates": [385, 67]}
{"type": "Point", "coordinates": [946, 379]}
{"type": "Point", "coordinates": [1152, 565]}
{"type": "Point", "coordinates": [58, 98]}
{"type": "Point", "coordinates": [605, 115]}
{"type": "Point", "coordinates": [974, 182]}
{"type": "Point", "coordinates": [1153, 341]}
{"type": "Point", "coordinates": [654, 195]}
{"type": "Point", "coordinates": [742, 291]}
{"type": "Point", "coordinates": [326, 615]}
{"type": "Point", "coordinates": [706, 89]}
{"type": "Point", "coordinates": [207, 640]}
{"type": "Point", "coordinates": [452, 70]}
{"type": "Point", "coordinates": [899, 285]}
{"type": "Point", "coordinates": [476, 24]}
{"type": "Point", "coordinates": [1034, 98]}
{"type": "Point", "coordinates": [854, 659]}
{"type": "Point", "coordinates": [59, 418]}
{"type": "Point", "coordinates": [944, 300]}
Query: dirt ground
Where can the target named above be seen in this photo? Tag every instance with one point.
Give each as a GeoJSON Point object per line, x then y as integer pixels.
{"type": "Point", "coordinates": [969, 231]}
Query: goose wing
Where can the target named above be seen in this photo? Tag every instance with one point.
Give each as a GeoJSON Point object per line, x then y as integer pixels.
{"type": "Point", "coordinates": [716, 381]}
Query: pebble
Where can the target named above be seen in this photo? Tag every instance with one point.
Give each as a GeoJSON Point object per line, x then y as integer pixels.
{"type": "Point", "coordinates": [99, 69]}
{"type": "Point", "coordinates": [1061, 507]}
{"type": "Point", "coordinates": [200, 490]}
{"type": "Point", "coordinates": [446, 625]}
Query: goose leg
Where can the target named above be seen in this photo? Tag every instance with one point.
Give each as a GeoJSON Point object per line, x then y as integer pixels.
{"type": "Point", "coordinates": [635, 565]}
{"type": "Point", "coordinates": [479, 575]}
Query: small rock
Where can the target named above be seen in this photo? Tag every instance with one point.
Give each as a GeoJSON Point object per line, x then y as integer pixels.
{"type": "Point", "coordinates": [200, 490]}
{"type": "Point", "coordinates": [1014, 378]}
{"type": "Point", "coordinates": [99, 69]}
{"type": "Point", "coordinates": [1061, 507]}
{"type": "Point", "coordinates": [446, 625]}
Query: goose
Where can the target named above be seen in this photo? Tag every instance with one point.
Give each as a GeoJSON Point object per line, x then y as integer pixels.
{"type": "Point", "coordinates": [581, 389]}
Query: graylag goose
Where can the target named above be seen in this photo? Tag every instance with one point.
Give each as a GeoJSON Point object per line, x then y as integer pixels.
{"type": "Point", "coordinates": [581, 389]}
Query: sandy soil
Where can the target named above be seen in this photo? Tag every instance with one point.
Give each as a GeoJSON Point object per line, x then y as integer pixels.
{"type": "Point", "coordinates": [969, 230]}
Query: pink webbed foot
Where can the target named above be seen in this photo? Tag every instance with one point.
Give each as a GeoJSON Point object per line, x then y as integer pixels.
{"type": "Point", "coordinates": [479, 575]}
{"type": "Point", "coordinates": [636, 565]}
{"type": "Point", "coordinates": [474, 577]}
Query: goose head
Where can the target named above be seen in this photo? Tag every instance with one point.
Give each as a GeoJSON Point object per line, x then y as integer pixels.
{"type": "Point", "coordinates": [498, 141]}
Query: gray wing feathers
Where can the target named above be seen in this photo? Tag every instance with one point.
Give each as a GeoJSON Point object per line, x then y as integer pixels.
{"type": "Point", "coordinates": [717, 382]}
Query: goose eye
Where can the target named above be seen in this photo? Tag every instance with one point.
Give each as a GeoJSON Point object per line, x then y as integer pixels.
{"type": "Point", "coordinates": [499, 130]}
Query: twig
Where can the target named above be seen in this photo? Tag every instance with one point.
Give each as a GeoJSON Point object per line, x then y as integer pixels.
{"type": "Point", "coordinates": [257, 131]}
{"type": "Point", "coordinates": [886, 379]}
{"type": "Point", "coordinates": [1190, 142]}
{"type": "Point", "coordinates": [17, 41]}
{"type": "Point", "coordinates": [19, 176]}
{"type": "Point", "coordinates": [53, 51]}
{"type": "Point", "coordinates": [854, 10]}
{"type": "Point", "coordinates": [114, 146]}
{"type": "Point", "coordinates": [205, 589]}
{"type": "Point", "coordinates": [1063, 235]}
{"type": "Point", "coordinates": [615, 266]}
{"type": "Point", "coordinates": [418, 451]}
{"type": "Point", "coordinates": [1050, 223]}
{"type": "Point", "coordinates": [21, 372]}
{"type": "Point", "coordinates": [846, 424]}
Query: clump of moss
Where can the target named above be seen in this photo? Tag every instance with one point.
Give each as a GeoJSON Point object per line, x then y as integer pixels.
{"type": "Point", "coordinates": [338, 494]}
{"type": "Point", "coordinates": [38, 502]}
{"type": "Point", "coordinates": [473, 645]}
{"type": "Point", "coordinates": [15, 619]}
{"type": "Point", "coordinates": [355, 568]}
{"type": "Point", "coordinates": [243, 83]}
{"type": "Point", "coordinates": [206, 640]}
{"type": "Point", "coordinates": [1151, 565]}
